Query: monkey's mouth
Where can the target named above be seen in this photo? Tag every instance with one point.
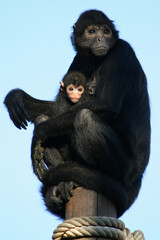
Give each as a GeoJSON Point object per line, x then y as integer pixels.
{"type": "Point", "coordinates": [101, 51]}
{"type": "Point", "coordinates": [74, 100]}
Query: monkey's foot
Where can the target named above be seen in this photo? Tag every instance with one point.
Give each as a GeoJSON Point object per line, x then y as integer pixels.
{"type": "Point", "coordinates": [38, 164]}
{"type": "Point", "coordinates": [57, 196]}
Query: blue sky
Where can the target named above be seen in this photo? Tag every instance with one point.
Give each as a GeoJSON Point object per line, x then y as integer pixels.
{"type": "Point", "coordinates": [35, 53]}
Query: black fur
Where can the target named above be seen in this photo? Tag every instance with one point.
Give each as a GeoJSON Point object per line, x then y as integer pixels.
{"type": "Point", "coordinates": [102, 184]}
{"type": "Point", "coordinates": [75, 78]}
{"type": "Point", "coordinates": [109, 131]}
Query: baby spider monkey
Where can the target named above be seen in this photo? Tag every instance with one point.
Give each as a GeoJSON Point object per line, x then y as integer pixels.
{"type": "Point", "coordinates": [73, 88]}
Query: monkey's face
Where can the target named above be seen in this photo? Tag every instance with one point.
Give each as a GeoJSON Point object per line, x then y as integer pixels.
{"type": "Point", "coordinates": [74, 93]}
{"type": "Point", "coordinates": [97, 38]}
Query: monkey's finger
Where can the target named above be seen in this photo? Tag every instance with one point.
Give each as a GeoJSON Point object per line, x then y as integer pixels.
{"type": "Point", "coordinates": [22, 115]}
{"type": "Point", "coordinates": [64, 189]}
{"type": "Point", "coordinates": [15, 118]}
{"type": "Point", "coordinates": [42, 167]}
{"type": "Point", "coordinates": [39, 169]}
{"type": "Point", "coordinates": [39, 166]}
{"type": "Point", "coordinates": [53, 198]}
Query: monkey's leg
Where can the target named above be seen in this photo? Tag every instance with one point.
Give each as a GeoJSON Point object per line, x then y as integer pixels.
{"type": "Point", "coordinates": [97, 144]}
{"type": "Point", "coordinates": [52, 157]}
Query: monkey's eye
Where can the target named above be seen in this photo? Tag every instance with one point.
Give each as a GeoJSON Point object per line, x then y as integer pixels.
{"type": "Point", "coordinates": [71, 89]}
{"type": "Point", "coordinates": [91, 31]}
{"type": "Point", "coordinates": [106, 31]}
{"type": "Point", "coordinates": [80, 89]}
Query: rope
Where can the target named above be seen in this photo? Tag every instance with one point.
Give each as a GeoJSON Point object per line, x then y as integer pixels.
{"type": "Point", "coordinates": [137, 235]}
{"type": "Point", "coordinates": [104, 227]}
{"type": "Point", "coordinates": [90, 227]}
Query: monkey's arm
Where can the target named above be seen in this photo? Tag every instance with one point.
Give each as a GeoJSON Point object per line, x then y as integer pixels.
{"type": "Point", "coordinates": [63, 124]}
{"type": "Point", "coordinates": [22, 107]}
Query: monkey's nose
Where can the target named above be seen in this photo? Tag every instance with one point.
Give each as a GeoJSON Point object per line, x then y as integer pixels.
{"type": "Point", "coordinates": [99, 39]}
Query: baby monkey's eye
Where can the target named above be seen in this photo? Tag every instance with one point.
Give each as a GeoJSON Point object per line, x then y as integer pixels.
{"type": "Point", "coordinates": [80, 88]}
{"type": "Point", "coordinates": [71, 89]}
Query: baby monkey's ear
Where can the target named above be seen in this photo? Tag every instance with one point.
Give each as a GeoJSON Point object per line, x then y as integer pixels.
{"type": "Point", "coordinates": [62, 86]}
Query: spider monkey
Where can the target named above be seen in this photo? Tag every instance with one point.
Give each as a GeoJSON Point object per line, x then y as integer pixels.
{"type": "Point", "coordinates": [73, 87]}
{"type": "Point", "coordinates": [109, 131]}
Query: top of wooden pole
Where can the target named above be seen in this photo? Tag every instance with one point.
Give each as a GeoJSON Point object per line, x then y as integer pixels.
{"type": "Point", "coordinates": [86, 202]}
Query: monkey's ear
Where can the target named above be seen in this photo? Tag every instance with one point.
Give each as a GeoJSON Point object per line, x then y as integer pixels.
{"type": "Point", "coordinates": [74, 26]}
{"type": "Point", "coordinates": [62, 86]}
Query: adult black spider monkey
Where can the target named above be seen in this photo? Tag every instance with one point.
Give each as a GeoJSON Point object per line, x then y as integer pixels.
{"type": "Point", "coordinates": [109, 131]}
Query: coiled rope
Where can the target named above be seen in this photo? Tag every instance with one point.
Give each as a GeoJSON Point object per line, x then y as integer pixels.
{"type": "Point", "coordinates": [104, 227]}
{"type": "Point", "coordinates": [137, 235]}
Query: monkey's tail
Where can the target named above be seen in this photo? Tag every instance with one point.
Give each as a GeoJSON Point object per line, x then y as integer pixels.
{"type": "Point", "coordinates": [90, 179]}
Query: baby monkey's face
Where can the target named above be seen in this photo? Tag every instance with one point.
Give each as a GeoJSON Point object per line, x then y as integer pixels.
{"type": "Point", "coordinates": [74, 92]}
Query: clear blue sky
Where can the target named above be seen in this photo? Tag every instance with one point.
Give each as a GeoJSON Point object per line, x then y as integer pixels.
{"type": "Point", "coordinates": [35, 52]}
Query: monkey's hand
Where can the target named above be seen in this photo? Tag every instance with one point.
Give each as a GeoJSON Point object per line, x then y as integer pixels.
{"type": "Point", "coordinates": [16, 109]}
{"type": "Point", "coordinates": [57, 196]}
{"type": "Point", "coordinates": [37, 153]}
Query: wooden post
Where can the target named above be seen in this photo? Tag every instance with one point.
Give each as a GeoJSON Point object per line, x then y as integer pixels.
{"type": "Point", "coordinates": [89, 203]}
